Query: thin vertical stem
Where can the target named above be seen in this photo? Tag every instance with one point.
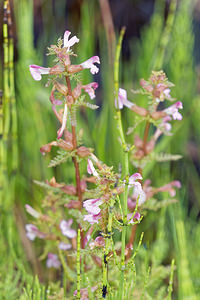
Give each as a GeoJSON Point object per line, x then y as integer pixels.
{"type": "Point", "coordinates": [125, 163]}
{"type": "Point", "coordinates": [107, 249]}
{"type": "Point", "coordinates": [170, 287]}
{"type": "Point", "coordinates": [74, 141]}
{"type": "Point", "coordinates": [78, 265]}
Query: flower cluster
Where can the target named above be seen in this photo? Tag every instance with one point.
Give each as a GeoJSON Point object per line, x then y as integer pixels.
{"type": "Point", "coordinates": [65, 68]}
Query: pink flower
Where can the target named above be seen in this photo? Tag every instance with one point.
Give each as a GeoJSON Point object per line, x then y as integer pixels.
{"type": "Point", "coordinates": [98, 242]}
{"type": "Point", "coordinates": [33, 232]}
{"type": "Point", "coordinates": [91, 169]}
{"type": "Point", "coordinates": [65, 227]}
{"type": "Point", "coordinates": [169, 187]}
{"type": "Point", "coordinates": [167, 93]}
{"type": "Point", "coordinates": [122, 100]}
{"type": "Point", "coordinates": [90, 88]}
{"type": "Point", "coordinates": [53, 261]}
{"type": "Point", "coordinates": [92, 218]}
{"type": "Point", "coordinates": [69, 42]}
{"type": "Point", "coordinates": [64, 122]}
{"type": "Point", "coordinates": [36, 71]}
{"type": "Point", "coordinates": [32, 211]}
{"type": "Point", "coordinates": [138, 191]}
{"type": "Point", "coordinates": [173, 110]}
{"type": "Point", "coordinates": [132, 218]}
{"type": "Point", "coordinates": [64, 246]}
{"type": "Point", "coordinates": [92, 206]}
{"type": "Point", "coordinates": [89, 64]}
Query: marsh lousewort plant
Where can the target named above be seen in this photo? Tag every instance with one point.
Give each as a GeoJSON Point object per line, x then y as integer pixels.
{"type": "Point", "coordinates": [79, 223]}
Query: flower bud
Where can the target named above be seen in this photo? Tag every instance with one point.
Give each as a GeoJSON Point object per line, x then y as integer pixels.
{"type": "Point", "coordinates": [56, 70]}
{"type": "Point", "coordinates": [74, 69]}
{"type": "Point", "coordinates": [76, 91]}
{"type": "Point", "coordinates": [47, 148]}
{"type": "Point", "coordinates": [83, 151]}
{"type": "Point", "coordinates": [69, 100]}
{"type": "Point", "coordinates": [73, 204]}
{"type": "Point", "coordinates": [156, 115]}
{"type": "Point", "coordinates": [69, 189]}
{"type": "Point", "coordinates": [61, 88]}
{"type": "Point", "coordinates": [139, 110]}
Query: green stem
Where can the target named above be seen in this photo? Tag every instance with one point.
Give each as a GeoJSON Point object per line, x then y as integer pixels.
{"type": "Point", "coordinates": [166, 35]}
{"type": "Point", "coordinates": [107, 248]}
{"type": "Point", "coordinates": [78, 265]}
{"type": "Point", "coordinates": [125, 162]}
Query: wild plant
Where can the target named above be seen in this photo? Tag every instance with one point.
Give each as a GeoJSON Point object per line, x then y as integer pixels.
{"type": "Point", "coordinates": [81, 222]}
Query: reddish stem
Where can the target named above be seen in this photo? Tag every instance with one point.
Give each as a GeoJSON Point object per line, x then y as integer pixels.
{"type": "Point", "coordinates": [76, 164]}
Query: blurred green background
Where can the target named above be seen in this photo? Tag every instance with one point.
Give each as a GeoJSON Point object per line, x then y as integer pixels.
{"type": "Point", "coordinates": [159, 35]}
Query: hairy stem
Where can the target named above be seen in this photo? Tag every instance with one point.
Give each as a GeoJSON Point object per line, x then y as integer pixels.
{"type": "Point", "coordinates": [76, 164]}
{"type": "Point", "coordinates": [74, 141]}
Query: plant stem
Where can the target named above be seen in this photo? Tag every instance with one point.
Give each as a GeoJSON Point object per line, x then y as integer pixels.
{"type": "Point", "coordinates": [76, 164]}
{"type": "Point", "coordinates": [107, 249]}
{"type": "Point", "coordinates": [74, 142]}
{"type": "Point", "coordinates": [146, 132]}
{"type": "Point", "coordinates": [125, 163]}
{"type": "Point", "coordinates": [78, 266]}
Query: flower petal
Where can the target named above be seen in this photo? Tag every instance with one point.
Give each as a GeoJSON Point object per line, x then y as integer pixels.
{"type": "Point", "coordinates": [36, 71]}
{"type": "Point", "coordinates": [64, 122]}
{"type": "Point", "coordinates": [89, 64]}
{"type": "Point", "coordinates": [69, 42]}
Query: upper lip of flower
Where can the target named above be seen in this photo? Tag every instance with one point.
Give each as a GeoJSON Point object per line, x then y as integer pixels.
{"type": "Point", "coordinates": [67, 43]}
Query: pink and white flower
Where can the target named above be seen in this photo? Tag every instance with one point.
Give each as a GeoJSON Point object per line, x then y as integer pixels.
{"type": "Point", "coordinates": [32, 211]}
{"type": "Point", "coordinates": [138, 191]}
{"type": "Point", "coordinates": [170, 187]}
{"type": "Point", "coordinates": [98, 242]}
{"type": "Point", "coordinates": [53, 261]}
{"type": "Point", "coordinates": [37, 71]}
{"type": "Point", "coordinates": [122, 100]}
{"type": "Point", "coordinates": [91, 169]}
{"type": "Point", "coordinates": [65, 227]}
{"type": "Point", "coordinates": [173, 110]}
{"type": "Point", "coordinates": [64, 246]}
{"type": "Point", "coordinates": [32, 232]}
{"type": "Point", "coordinates": [132, 218]}
{"type": "Point", "coordinates": [90, 88]}
{"type": "Point", "coordinates": [90, 64]}
{"type": "Point", "coordinates": [64, 122]}
{"type": "Point", "coordinates": [67, 43]}
{"type": "Point", "coordinates": [92, 206]}
{"type": "Point", "coordinates": [167, 92]}
{"type": "Point", "coordinates": [92, 218]}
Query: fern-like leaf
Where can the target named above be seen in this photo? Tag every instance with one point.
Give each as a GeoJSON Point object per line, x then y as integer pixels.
{"type": "Point", "coordinates": [61, 157]}
{"type": "Point", "coordinates": [161, 157]}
